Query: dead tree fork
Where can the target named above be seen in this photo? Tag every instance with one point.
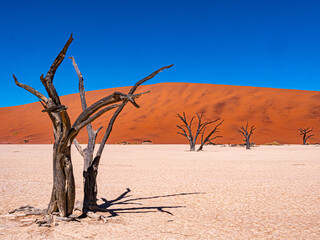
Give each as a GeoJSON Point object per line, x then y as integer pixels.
{"type": "Point", "coordinates": [63, 190]}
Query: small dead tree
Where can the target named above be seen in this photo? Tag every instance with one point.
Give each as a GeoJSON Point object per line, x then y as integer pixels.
{"type": "Point", "coordinates": [209, 138]}
{"type": "Point", "coordinates": [186, 129]}
{"type": "Point", "coordinates": [247, 134]}
{"type": "Point", "coordinates": [305, 132]}
{"type": "Point", "coordinates": [63, 190]}
{"type": "Point", "coordinates": [91, 163]}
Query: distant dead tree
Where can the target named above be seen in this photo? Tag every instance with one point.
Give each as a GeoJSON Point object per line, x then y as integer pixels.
{"type": "Point", "coordinates": [63, 190]}
{"type": "Point", "coordinates": [186, 129]}
{"type": "Point", "coordinates": [209, 138]}
{"type": "Point", "coordinates": [305, 132]}
{"type": "Point", "coordinates": [247, 134]}
{"type": "Point", "coordinates": [91, 163]}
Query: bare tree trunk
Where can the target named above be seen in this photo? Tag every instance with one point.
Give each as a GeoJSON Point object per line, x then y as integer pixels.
{"type": "Point", "coordinates": [200, 147]}
{"type": "Point", "coordinates": [247, 143]}
{"type": "Point", "coordinates": [63, 190]}
{"type": "Point", "coordinates": [90, 188]}
{"type": "Point", "coordinates": [192, 146]}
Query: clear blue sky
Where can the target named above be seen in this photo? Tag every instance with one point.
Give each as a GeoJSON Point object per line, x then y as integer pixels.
{"type": "Point", "coordinates": [263, 43]}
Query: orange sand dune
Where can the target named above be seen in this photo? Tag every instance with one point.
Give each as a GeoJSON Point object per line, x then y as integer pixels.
{"type": "Point", "coordinates": [276, 113]}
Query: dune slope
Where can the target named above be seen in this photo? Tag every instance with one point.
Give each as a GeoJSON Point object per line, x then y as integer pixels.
{"type": "Point", "coordinates": [276, 113]}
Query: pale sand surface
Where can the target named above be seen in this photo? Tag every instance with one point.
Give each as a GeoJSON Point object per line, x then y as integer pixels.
{"type": "Point", "coordinates": [269, 192]}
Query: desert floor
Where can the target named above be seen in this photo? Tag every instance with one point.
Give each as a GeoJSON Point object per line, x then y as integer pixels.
{"type": "Point", "coordinates": [269, 192]}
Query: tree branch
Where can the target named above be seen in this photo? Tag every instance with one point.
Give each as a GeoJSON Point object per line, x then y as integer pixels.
{"type": "Point", "coordinates": [81, 85]}
{"type": "Point", "coordinates": [213, 131]}
{"type": "Point", "coordinates": [200, 128]}
{"type": "Point", "coordinates": [188, 127]}
{"type": "Point", "coordinates": [78, 147]}
{"type": "Point", "coordinates": [30, 89]}
{"type": "Point", "coordinates": [58, 60]}
{"type": "Point", "coordinates": [83, 97]}
{"type": "Point", "coordinates": [53, 120]}
{"type": "Point", "coordinates": [108, 100]}
{"type": "Point", "coordinates": [48, 80]}
{"type": "Point", "coordinates": [203, 125]}
{"type": "Point", "coordinates": [94, 117]}
{"type": "Point", "coordinates": [97, 131]}
{"type": "Point", "coordinates": [185, 133]}
{"type": "Point", "coordinates": [134, 88]}
{"type": "Point", "coordinates": [309, 137]}
{"type": "Point", "coordinates": [214, 138]}
{"type": "Point", "coordinates": [208, 137]}
{"type": "Point", "coordinates": [118, 111]}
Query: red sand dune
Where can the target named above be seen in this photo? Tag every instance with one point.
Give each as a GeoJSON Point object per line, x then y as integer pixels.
{"type": "Point", "coordinates": [276, 113]}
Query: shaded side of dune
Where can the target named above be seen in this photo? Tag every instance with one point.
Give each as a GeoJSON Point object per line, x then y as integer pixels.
{"type": "Point", "coordinates": [276, 113]}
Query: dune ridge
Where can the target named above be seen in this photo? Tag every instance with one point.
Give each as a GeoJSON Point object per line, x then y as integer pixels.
{"type": "Point", "coordinates": [276, 113]}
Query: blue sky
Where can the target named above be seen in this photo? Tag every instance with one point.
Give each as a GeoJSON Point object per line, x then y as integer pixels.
{"type": "Point", "coordinates": [250, 43]}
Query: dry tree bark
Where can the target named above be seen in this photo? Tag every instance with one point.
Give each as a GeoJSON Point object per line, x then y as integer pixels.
{"type": "Point", "coordinates": [63, 190]}
{"type": "Point", "coordinates": [91, 163]}
{"type": "Point", "coordinates": [186, 129]}
{"type": "Point", "coordinates": [247, 134]}
{"type": "Point", "coordinates": [305, 132]}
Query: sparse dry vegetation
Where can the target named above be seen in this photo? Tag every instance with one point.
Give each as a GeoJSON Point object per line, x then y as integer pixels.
{"type": "Point", "coordinates": [186, 130]}
{"type": "Point", "coordinates": [274, 143]}
{"type": "Point", "coordinates": [306, 134]}
{"type": "Point", "coordinates": [247, 134]}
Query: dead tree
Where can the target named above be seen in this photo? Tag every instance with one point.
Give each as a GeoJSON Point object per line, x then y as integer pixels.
{"type": "Point", "coordinates": [209, 138]}
{"type": "Point", "coordinates": [305, 132]}
{"type": "Point", "coordinates": [186, 129]}
{"type": "Point", "coordinates": [91, 163]}
{"type": "Point", "coordinates": [247, 134]}
{"type": "Point", "coordinates": [63, 190]}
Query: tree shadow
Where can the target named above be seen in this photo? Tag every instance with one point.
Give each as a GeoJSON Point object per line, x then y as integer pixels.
{"type": "Point", "coordinates": [124, 199]}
